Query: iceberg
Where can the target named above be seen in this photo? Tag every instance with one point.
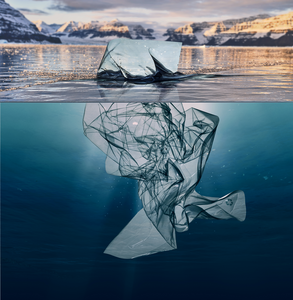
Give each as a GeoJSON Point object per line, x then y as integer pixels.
{"type": "Point", "coordinates": [164, 148]}
{"type": "Point", "coordinates": [141, 61]}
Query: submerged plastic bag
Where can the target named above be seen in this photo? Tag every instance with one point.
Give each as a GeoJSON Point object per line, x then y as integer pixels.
{"type": "Point", "coordinates": [140, 60]}
{"type": "Point", "coordinates": [165, 148]}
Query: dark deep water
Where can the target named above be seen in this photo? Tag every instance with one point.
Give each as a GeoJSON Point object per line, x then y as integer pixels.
{"type": "Point", "coordinates": [60, 210]}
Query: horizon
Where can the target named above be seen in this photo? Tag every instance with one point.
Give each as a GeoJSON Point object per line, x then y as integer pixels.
{"type": "Point", "coordinates": [150, 14]}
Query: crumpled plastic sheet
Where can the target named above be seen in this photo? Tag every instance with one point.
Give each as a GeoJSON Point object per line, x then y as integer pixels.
{"type": "Point", "coordinates": [165, 149]}
{"type": "Point", "coordinates": [141, 61]}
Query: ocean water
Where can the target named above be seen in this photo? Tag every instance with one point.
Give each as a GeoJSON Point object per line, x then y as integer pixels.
{"type": "Point", "coordinates": [46, 73]}
{"type": "Point", "coordinates": [60, 210]}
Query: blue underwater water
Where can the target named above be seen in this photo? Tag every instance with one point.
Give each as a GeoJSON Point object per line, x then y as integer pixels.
{"type": "Point", "coordinates": [60, 210]}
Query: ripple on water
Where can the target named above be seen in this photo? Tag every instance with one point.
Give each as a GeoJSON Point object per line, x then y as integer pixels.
{"type": "Point", "coordinates": [246, 74]}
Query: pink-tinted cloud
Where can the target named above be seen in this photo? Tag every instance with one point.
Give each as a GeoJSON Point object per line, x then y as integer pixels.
{"type": "Point", "coordinates": [187, 8]}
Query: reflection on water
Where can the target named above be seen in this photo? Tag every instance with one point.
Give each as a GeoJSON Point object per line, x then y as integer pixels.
{"type": "Point", "coordinates": [32, 66]}
{"type": "Point", "coordinates": [110, 91]}
{"type": "Point", "coordinates": [249, 87]}
{"type": "Point", "coordinates": [23, 66]}
{"type": "Point", "coordinates": [218, 58]}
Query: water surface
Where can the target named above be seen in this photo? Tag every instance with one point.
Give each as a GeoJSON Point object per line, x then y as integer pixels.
{"type": "Point", "coordinates": [50, 73]}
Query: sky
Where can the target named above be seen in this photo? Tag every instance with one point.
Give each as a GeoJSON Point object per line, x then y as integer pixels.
{"type": "Point", "coordinates": [166, 13]}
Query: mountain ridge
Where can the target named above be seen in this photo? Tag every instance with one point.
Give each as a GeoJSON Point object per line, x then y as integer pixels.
{"type": "Point", "coordinates": [259, 30]}
{"type": "Point", "coordinates": [15, 27]}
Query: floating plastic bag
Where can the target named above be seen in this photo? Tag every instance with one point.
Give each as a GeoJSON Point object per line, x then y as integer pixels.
{"type": "Point", "coordinates": [141, 60]}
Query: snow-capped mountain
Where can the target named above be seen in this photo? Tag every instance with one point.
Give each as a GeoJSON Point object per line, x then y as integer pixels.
{"type": "Point", "coordinates": [101, 32]}
{"type": "Point", "coordinates": [70, 27]}
{"type": "Point", "coordinates": [261, 30]}
{"type": "Point", "coordinates": [43, 27]}
{"type": "Point", "coordinates": [55, 26]}
{"type": "Point", "coordinates": [140, 33]}
{"type": "Point", "coordinates": [15, 27]}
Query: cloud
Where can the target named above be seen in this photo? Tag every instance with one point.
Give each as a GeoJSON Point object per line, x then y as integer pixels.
{"type": "Point", "coordinates": [131, 13]}
{"type": "Point", "coordinates": [208, 8]}
{"type": "Point", "coordinates": [246, 7]}
{"type": "Point", "coordinates": [168, 13]}
{"type": "Point", "coordinates": [73, 5]}
{"type": "Point", "coordinates": [28, 11]}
